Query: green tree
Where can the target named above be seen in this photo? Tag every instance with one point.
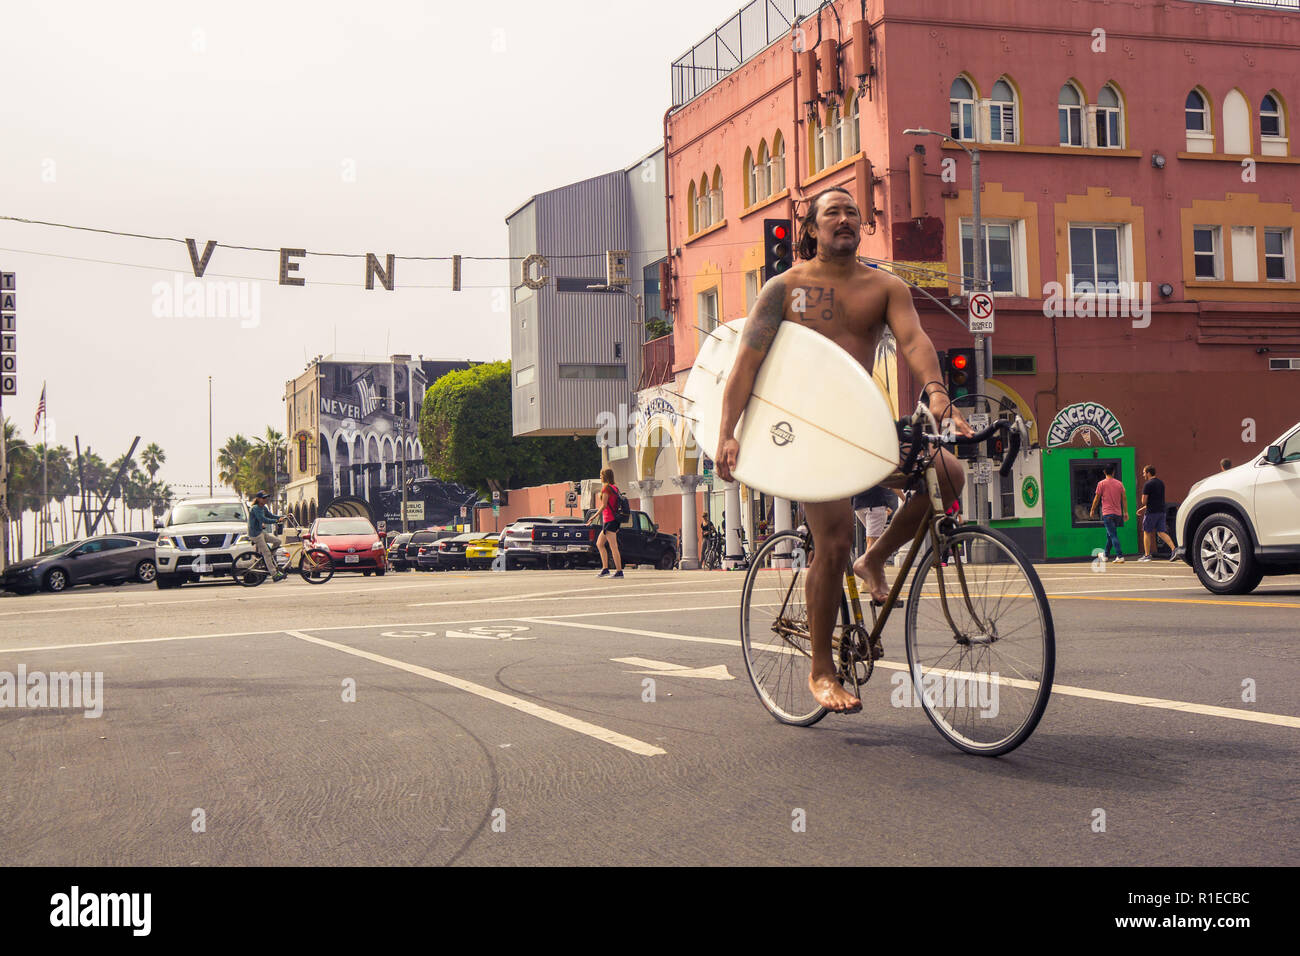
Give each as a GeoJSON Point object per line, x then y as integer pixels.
{"type": "Point", "coordinates": [656, 328]}
{"type": "Point", "coordinates": [466, 431]}
{"type": "Point", "coordinates": [230, 459]}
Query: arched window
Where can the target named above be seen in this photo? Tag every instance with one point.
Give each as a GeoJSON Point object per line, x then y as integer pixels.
{"type": "Point", "coordinates": [751, 179]}
{"type": "Point", "coordinates": [715, 197]}
{"type": "Point", "coordinates": [961, 102]}
{"type": "Point", "coordinates": [1272, 125]}
{"type": "Point", "coordinates": [1002, 113]}
{"type": "Point", "coordinates": [702, 206]}
{"type": "Point", "coordinates": [1108, 118]}
{"type": "Point", "coordinates": [1197, 120]}
{"type": "Point", "coordinates": [692, 217]}
{"type": "Point", "coordinates": [817, 148]}
{"type": "Point", "coordinates": [852, 137]}
{"type": "Point", "coordinates": [1070, 112]}
{"type": "Point", "coordinates": [778, 162]}
{"type": "Point", "coordinates": [1236, 125]}
{"type": "Point", "coordinates": [833, 132]}
{"type": "Point", "coordinates": [762, 173]}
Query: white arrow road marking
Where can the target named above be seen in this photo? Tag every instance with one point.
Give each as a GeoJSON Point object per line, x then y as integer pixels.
{"type": "Point", "coordinates": [716, 672]}
{"type": "Point", "coordinates": [516, 703]}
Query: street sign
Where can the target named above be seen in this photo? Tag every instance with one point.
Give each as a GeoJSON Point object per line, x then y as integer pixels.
{"type": "Point", "coordinates": [983, 471]}
{"type": "Point", "coordinates": [415, 511]}
{"type": "Point", "coordinates": [281, 477]}
{"type": "Point", "coordinates": [571, 499]}
{"type": "Point", "coordinates": [464, 511]}
{"type": "Point", "coordinates": [496, 497]}
{"type": "Point", "coordinates": [978, 421]}
{"type": "Point", "coordinates": [980, 314]}
{"type": "Point", "coordinates": [496, 511]}
{"type": "Point", "coordinates": [8, 384]}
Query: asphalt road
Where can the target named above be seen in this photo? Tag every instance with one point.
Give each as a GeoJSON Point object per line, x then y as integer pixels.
{"type": "Point", "coordinates": [498, 719]}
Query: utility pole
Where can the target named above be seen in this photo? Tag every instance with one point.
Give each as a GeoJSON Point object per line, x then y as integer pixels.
{"type": "Point", "coordinates": [210, 457]}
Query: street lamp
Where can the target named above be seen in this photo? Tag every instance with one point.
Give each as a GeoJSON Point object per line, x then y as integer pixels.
{"type": "Point", "coordinates": [978, 284]}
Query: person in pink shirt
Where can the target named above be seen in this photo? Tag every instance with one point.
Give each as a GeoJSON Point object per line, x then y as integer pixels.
{"type": "Point", "coordinates": [1114, 510]}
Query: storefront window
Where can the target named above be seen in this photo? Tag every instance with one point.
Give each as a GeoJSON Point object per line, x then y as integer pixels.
{"type": "Point", "coordinates": [1085, 475]}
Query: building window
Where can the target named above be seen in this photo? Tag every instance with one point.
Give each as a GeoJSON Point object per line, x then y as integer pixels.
{"type": "Point", "coordinates": [715, 198]}
{"type": "Point", "coordinates": [581, 284]}
{"type": "Point", "coordinates": [302, 455]}
{"type": "Point", "coordinates": [1108, 119]}
{"type": "Point", "coordinates": [703, 207]}
{"type": "Point", "coordinates": [961, 107]}
{"type": "Point", "coordinates": [1278, 255]}
{"type": "Point", "coordinates": [1070, 113]}
{"type": "Point", "coordinates": [1207, 252]}
{"type": "Point", "coordinates": [1272, 126]}
{"type": "Point", "coordinates": [706, 313]}
{"type": "Point", "coordinates": [818, 153]}
{"type": "Point", "coordinates": [1236, 125]}
{"type": "Point", "coordinates": [526, 376]}
{"type": "Point", "coordinates": [1001, 257]}
{"type": "Point", "coordinates": [753, 282]}
{"type": "Point", "coordinates": [852, 134]}
{"type": "Point", "coordinates": [1196, 112]}
{"type": "Point", "coordinates": [593, 371]}
{"type": "Point", "coordinates": [1014, 365]}
{"type": "Point", "coordinates": [778, 163]}
{"type": "Point", "coordinates": [834, 131]}
{"type": "Point", "coordinates": [751, 179]}
{"type": "Point", "coordinates": [1095, 259]}
{"type": "Point", "coordinates": [692, 211]}
{"type": "Point", "coordinates": [1002, 113]}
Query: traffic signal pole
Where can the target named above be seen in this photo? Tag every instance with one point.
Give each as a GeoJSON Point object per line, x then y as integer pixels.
{"type": "Point", "coordinates": [979, 494]}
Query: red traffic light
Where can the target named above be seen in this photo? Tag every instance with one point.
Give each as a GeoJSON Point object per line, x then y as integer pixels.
{"type": "Point", "coordinates": [779, 232]}
{"type": "Point", "coordinates": [959, 361]}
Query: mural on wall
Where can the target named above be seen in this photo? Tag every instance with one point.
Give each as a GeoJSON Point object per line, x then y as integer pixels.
{"type": "Point", "coordinates": [369, 421]}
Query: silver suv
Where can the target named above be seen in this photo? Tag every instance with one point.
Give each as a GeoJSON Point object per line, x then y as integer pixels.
{"type": "Point", "coordinates": [200, 537]}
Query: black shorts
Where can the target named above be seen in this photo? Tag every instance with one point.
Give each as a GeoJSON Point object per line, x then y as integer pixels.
{"type": "Point", "coordinates": [610, 526]}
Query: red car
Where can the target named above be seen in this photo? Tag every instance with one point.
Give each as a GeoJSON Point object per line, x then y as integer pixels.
{"type": "Point", "coordinates": [353, 543]}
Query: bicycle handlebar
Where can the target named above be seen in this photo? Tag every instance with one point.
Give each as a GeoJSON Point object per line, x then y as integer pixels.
{"type": "Point", "coordinates": [912, 427]}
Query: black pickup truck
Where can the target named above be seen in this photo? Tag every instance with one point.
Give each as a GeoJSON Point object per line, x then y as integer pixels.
{"type": "Point", "coordinates": [574, 545]}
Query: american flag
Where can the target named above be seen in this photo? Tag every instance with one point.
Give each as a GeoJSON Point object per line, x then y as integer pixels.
{"type": "Point", "coordinates": [40, 409]}
{"type": "Point", "coordinates": [369, 397]}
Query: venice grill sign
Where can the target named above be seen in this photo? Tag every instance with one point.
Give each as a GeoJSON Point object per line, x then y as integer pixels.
{"type": "Point", "coordinates": [1084, 415]}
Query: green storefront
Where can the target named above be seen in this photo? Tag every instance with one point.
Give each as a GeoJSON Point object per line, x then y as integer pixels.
{"type": "Point", "coordinates": [1070, 477]}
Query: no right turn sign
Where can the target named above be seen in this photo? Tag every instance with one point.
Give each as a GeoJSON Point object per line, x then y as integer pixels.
{"type": "Point", "coordinates": [980, 313]}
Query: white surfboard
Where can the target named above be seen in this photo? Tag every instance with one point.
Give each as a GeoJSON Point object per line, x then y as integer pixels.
{"type": "Point", "coordinates": [817, 427]}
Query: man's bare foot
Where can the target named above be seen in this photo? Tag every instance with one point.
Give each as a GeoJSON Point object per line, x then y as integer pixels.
{"type": "Point", "coordinates": [830, 693]}
{"type": "Point", "coordinates": [873, 572]}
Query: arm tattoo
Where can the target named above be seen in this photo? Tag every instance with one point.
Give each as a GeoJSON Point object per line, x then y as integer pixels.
{"type": "Point", "coordinates": [766, 317]}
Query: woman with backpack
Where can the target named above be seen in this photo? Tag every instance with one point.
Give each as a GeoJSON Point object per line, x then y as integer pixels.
{"type": "Point", "coordinates": [608, 508]}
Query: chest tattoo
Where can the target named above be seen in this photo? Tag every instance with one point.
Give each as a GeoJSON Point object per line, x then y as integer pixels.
{"type": "Point", "coordinates": [813, 302]}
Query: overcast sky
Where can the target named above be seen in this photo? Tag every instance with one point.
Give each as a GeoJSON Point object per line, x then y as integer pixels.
{"type": "Point", "coordinates": [383, 126]}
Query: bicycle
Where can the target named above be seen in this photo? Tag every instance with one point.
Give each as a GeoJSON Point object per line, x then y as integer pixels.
{"type": "Point", "coordinates": [983, 681]}
{"type": "Point", "coordinates": [711, 554]}
{"type": "Point", "coordinates": [314, 565]}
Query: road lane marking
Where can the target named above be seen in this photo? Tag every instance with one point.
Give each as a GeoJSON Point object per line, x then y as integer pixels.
{"type": "Point", "coordinates": [716, 672]}
{"type": "Point", "coordinates": [1065, 690]}
{"type": "Point", "coordinates": [602, 734]}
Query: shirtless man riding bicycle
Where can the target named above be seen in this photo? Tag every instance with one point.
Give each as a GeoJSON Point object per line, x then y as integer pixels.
{"type": "Point", "coordinates": [850, 303]}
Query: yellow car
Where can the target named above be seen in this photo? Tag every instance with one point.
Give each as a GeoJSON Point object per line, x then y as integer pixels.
{"type": "Point", "coordinates": [480, 554]}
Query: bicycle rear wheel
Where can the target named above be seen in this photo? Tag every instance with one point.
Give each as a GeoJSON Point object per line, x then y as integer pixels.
{"type": "Point", "coordinates": [980, 642]}
{"type": "Point", "coordinates": [774, 634]}
{"type": "Point", "coordinates": [249, 569]}
{"type": "Point", "coordinates": [315, 567]}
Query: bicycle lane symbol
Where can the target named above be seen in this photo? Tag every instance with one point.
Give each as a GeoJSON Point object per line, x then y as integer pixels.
{"type": "Point", "coordinates": [483, 632]}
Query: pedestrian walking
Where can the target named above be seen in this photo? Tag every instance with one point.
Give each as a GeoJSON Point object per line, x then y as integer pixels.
{"type": "Point", "coordinates": [872, 508]}
{"type": "Point", "coordinates": [1114, 511]}
{"type": "Point", "coordinates": [1153, 517]}
{"type": "Point", "coordinates": [607, 508]}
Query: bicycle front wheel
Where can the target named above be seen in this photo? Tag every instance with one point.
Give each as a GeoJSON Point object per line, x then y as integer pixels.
{"type": "Point", "coordinates": [315, 567]}
{"type": "Point", "coordinates": [774, 630]}
{"type": "Point", "coordinates": [980, 642]}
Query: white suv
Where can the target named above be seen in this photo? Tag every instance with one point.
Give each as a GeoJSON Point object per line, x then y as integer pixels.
{"type": "Point", "coordinates": [1243, 523]}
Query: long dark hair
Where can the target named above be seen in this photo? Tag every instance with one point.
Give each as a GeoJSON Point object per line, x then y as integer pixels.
{"type": "Point", "coordinates": [807, 247]}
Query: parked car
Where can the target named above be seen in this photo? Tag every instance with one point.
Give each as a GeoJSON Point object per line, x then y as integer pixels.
{"type": "Point", "coordinates": [200, 537]}
{"type": "Point", "coordinates": [142, 535]}
{"type": "Point", "coordinates": [353, 544]}
{"type": "Point", "coordinates": [397, 552]}
{"type": "Point", "coordinates": [1239, 525]}
{"type": "Point", "coordinates": [425, 539]}
{"type": "Point", "coordinates": [102, 559]}
{"type": "Point", "coordinates": [481, 553]}
{"type": "Point", "coordinates": [639, 542]}
{"type": "Point", "coordinates": [517, 541]}
{"type": "Point", "coordinates": [449, 553]}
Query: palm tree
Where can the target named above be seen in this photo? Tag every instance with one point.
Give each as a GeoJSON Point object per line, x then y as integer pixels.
{"type": "Point", "coordinates": [230, 457]}
{"type": "Point", "coordinates": [262, 459]}
{"type": "Point", "coordinates": [153, 458]}
{"type": "Point", "coordinates": [17, 453]}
